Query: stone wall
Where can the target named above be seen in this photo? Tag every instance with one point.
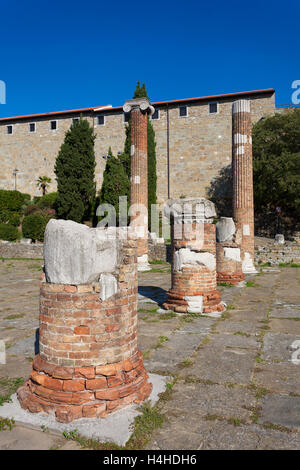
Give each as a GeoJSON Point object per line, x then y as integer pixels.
{"type": "Point", "coordinates": [200, 144]}
{"type": "Point", "coordinates": [266, 251]}
{"type": "Point", "coordinates": [21, 250]}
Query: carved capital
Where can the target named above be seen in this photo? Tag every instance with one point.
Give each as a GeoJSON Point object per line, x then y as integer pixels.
{"type": "Point", "coordinates": [142, 104]}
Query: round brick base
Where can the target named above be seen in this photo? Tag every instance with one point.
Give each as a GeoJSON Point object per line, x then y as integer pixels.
{"type": "Point", "coordinates": [92, 391]}
{"type": "Point", "coordinates": [230, 278]}
{"type": "Point", "coordinates": [211, 301]}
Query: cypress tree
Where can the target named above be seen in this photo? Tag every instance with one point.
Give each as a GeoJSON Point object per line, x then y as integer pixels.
{"type": "Point", "coordinates": [115, 184]}
{"type": "Point", "coordinates": [75, 172]}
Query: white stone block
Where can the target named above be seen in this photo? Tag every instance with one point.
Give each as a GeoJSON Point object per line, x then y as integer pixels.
{"type": "Point", "coordinates": [195, 303]}
{"type": "Point", "coordinates": [187, 257]}
{"type": "Point", "coordinates": [108, 285]}
{"type": "Point", "coordinates": [77, 254]}
{"type": "Point", "coordinates": [232, 253]}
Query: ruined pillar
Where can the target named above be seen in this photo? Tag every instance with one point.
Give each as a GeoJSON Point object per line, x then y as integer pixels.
{"type": "Point", "coordinates": [229, 263]}
{"type": "Point", "coordinates": [194, 282]}
{"type": "Point", "coordinates": [243, 205]}
{"type": "Point", "coordinates": [88, 363]}
{"type": "Point", "coordinates": [139, 108]}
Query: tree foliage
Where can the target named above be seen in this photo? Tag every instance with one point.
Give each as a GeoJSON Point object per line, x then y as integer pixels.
{"type": "Point", "coordinates": [115, 183]}
{"type": "Point", "coordinates": [276, 164]}
{"type": "Point", "coordinates": [75, 172]}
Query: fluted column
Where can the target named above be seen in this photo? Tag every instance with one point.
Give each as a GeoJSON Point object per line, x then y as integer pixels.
{"type": "Point", "coordinates": [243, 206]}
{"type": "Point", "coordinates": [139, 108]}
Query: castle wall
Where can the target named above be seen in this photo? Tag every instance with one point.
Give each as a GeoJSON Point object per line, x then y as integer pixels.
{"type": "Point", "coordinates": [200, 144]}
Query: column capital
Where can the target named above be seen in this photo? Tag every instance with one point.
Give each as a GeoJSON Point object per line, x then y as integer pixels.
{"type": "Point", "coordinates": [138, 103]}
{"type": "Point", "coordinates": [241, 106]}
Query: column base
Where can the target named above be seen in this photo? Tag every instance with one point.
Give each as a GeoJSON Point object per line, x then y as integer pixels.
{"type": "Point", "coordinates": [84, 392]}
{"type": "Point", "coordinates": [248, 265]}
{"type": "Point", "coordinates": [230, 278]}
{"type": "Point", "coordinates": [208, 302]}
{"type": "Point", "coordinates": [142, 263]}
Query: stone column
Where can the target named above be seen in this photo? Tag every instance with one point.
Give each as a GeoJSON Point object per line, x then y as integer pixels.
{"type": "Point", "coordinates": [194, 283]}
{"type": "Point", "coordinates": [243, 206]}
{"type": "Point", "coordinates": [139, 109]}
{"type": "Point", "coordinates": [229, 263]}
{"type": "Point", "coordinates": [88, 363]}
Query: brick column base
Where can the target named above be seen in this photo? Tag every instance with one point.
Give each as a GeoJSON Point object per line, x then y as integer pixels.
{"type": "Point", "coordinates": [229, 264]}
{"type": "Point", "coordinates": [84, 392]}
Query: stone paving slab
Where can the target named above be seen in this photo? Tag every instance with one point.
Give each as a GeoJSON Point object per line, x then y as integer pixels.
{"type": "Point", "coordinates": [172, 353]}
{"type": "Point", "coordinates": [282, 378]}
{"type": "Point", "coordinates": [282, 410]}
{"type": "Point", "coordinates": [223, 365]}
{"type": "Point", "coordinates": [278, 347]}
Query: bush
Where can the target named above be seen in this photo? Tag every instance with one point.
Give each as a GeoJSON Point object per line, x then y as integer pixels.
{"type": "Point", "coordinates": [48, 201]}
{"type": "Point", "coordinates": [9, 232]}
{"type": "Point", "coordinates": [12, 200]}
{"type": "Point", "coordinates": [34, 226]}
{"type": "Point", "coordinates": [31, 209]}
{"type": "Point", "coordinates": [11, 218]}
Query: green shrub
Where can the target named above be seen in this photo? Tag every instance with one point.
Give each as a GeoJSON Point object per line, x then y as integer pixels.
{"type": "Point", "coordinates": [12, 200]}
{"type": "Point", "coordinates": [47, 201]}
{"type": "Point", "coordinates": [9, 232]}
{"type": "Point", "coordinates": [11, 218]}
{"type": "Point", "coordinates": [34, 225]}
{"type": "Point", "coordinates": [33, 208]}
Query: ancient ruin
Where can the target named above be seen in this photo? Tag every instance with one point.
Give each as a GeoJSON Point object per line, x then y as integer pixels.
{"type": "Point", "coordinates": [139, 108]}
{"type": "Point", "coordinates": [229, 263]}
{"type": "Point", "coordinates": [88, 363]}
{"type": "Point", "coordinates": [242, 172]}
{"type": "Point", "coordinates": [194, 281]}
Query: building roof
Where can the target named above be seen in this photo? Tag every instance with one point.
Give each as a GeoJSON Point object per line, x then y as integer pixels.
{"type": "Point", "coordinates": [157, 103]}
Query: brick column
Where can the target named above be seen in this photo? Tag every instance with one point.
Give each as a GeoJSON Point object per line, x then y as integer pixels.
{"type": "Point", "coordinates": [229, 263]}
{"type": "Point", "coordinates": [88, 363]}
{"type": "Point", "coordinates": [194, 282]}
{"type": "Point", "coordinates": [139, 109]}
{"type": "Point", "coordinates": [243, 206]}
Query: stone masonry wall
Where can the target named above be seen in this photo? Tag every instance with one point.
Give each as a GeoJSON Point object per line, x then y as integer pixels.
{"type": "Point", "coordinates": [200, 145]}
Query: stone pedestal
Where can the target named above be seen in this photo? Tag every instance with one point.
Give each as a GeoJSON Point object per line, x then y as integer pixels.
{"type": "Point", "coordinates": [194, 283]}
{"type": "Point", "coordinates": [139, 109]}
{"type": "Point", "coordinates": [229, 263]}
{"type": "Point", "coordinates": [243, 207]}
{"type": "Point", "coordinates": [88, 363]}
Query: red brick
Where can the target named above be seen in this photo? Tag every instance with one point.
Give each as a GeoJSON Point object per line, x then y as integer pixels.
{"type": "Point", "coordinates": [82, 330]}
{"type": "Point", "coordinates": [96, 384]}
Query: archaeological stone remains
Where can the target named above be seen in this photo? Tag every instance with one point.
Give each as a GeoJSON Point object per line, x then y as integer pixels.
{"type": "Point", "coordinates": [229, 262]}
{"type": "Point", "coordinates": [194, 281]}
{"type": "Point", "coordinates": [242, 173]}
{"type": "Point", "coordinates": [88, 363]}
{"type": "Point", "coordinates": [139, 109]}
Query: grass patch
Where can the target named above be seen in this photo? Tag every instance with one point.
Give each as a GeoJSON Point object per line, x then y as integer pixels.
{"type": "Point", "coordinates": [230, 307]}
{"type": "Point", "coordinates": [260, 392]}
{"type": "Point", "coordinates": [10, 386]}
{"type": "Point", "coordinates": [6, 424]}
{"type": "Point", "coordinates": [250, 284]}
{"type": "Point", "coordinates": [157, 270]}
{"type": "Point", "coordinates": [13, 317]}
{"type": "Point", "coordinates": [241, 333]}
{"type": "Point", "coordinates": [157, 261]}
{"type": "Point", "coordinates": [161, 341]}
{"type": "Point", "coordinates": [276, 427]}
{"type": "Point", "coordinates": [167, 315]}
{"type": "Point", "coordinates": [289, 265]}
{"type": "Point", "coordinates": [186, 363]}
{"type": "Point", "coordinates": [224, 284]}
{"type": "Point", "coordinates": [21, 259]}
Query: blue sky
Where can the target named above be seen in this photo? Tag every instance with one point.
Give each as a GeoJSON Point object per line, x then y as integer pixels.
{"type": "Point", "coordinates": [58, 55]}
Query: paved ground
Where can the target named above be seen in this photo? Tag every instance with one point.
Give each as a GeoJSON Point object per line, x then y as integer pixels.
{"type": "Point", "coordinates": [237, 377]}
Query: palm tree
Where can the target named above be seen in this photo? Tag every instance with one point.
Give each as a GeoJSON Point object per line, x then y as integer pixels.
{"type": "Point", "coordinates": [43, 183]}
